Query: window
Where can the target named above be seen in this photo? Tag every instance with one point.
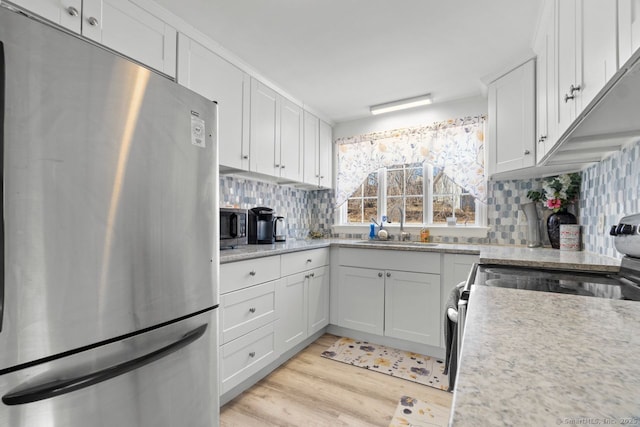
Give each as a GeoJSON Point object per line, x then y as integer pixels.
{"type": "Point", "coordinates": [403, 189]}
{"type": "Point", "coordinates": [423, 174]}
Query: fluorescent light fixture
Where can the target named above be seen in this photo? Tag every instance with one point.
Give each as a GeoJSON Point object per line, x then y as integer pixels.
{"type": "Point", "coordinates": [401, 104]}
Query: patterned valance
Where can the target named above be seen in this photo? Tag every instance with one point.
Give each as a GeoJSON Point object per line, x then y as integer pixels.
{"type": "Point", "coordinates": [455, 146]}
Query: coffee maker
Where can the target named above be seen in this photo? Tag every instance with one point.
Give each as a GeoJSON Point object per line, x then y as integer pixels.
{"type": "Point", "coordinates": [261, 225]}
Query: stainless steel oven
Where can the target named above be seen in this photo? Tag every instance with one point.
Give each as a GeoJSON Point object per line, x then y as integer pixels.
{"type": "Point", "coordinates": [233, 227]}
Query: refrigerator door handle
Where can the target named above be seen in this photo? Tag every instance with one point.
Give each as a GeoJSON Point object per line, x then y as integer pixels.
{"type": "Point", "coordinates": [2, 89]}
{"type": "Point", "coordinates": [58, 387]}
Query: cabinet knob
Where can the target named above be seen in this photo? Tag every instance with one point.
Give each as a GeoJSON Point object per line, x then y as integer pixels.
{"type": "Point", "coordinates": [277, 166]}
{"type": "Point", "coordinates": [317, 176]}
{"type": "Point", "coordinates": [252, 310]}
{"type": "Point", "coordinates": [245, 157]}
{"type": "Point", "coordinates": [252, 354]}
{"type": "Point", "coordinates": [93, 21]}
{"type": "Point", "coordinates": [306, 276]}
{"type": "Point", "coordinates": [313, 275]}
{"type": "Point", "coordinates": [388, 274]}
{"type": "Point", "coordinates": [252, 273]}
{"type": "Point", "coordinates": [309, 260]}
{"type": "Point", "coordinates": [527, 152]}
{"type": "Point", "coordinates": [282, 167]}
{"type": "Point", "coordinates": [72, 11]}
{"type": "Point", "coordinates": [379, 274]}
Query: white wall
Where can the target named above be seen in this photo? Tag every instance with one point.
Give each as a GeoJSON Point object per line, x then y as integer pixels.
{"type": "Point", "coordinates": [415, 117]}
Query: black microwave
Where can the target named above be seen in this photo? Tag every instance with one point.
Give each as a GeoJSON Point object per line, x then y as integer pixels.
{"type": "Point", "coordinates": [233, 227]}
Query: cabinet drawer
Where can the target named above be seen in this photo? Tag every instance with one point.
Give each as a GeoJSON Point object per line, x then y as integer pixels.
{"type": "Point", "coordinates": [242, 274]}
{"type": "Point", "coordinates": [246, 310]}
{"type": "Point", "coordinates": [297, 262]}
{"type": "Point", "coordinates": [380, 259]}
{"type": "Point", "coordinates": [243, 357]}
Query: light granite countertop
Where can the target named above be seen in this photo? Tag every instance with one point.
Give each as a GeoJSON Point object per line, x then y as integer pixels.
{"type": "Point", "coordinates": [489, 254]}
{"type": "Point", "coordinates": [544, 359]}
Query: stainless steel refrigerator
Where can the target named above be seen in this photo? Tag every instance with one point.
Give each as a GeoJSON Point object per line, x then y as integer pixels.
{"type": "Point", "coordinates": [109, 267]}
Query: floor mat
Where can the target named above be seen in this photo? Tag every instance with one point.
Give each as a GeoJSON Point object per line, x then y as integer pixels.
{"type": "Point", "coordinates": [414, 412]}
{"type": "Point", "coordinates": [414, 367]}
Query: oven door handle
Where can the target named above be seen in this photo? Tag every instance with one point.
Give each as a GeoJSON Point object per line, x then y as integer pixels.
{"type": "Point", "coordinates": [463, 304]}
{"type": "Point", "coordinates": [464, 295]}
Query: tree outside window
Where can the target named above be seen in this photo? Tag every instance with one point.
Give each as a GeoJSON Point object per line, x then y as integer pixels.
{"type": "Point", "coordinates": [423, 193]}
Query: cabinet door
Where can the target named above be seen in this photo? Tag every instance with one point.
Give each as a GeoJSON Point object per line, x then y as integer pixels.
{"type": "Point", "coordinates": [318, 307]}
{"type": "Point", "coordinates": [628, 28]}
{"type": "Point", "coordinates": [545, 83]}
{"type": "Point", "coordinates": [211, 76]}
{"type": "Point", "coordinates": [62, 12]}
{"type": "Point", "coordinates": [291, 311]}
{"type": "Point", "coordinates": [598, 54]}
{"type": "Point", "coordinates": [290, 147]}
{"type": "Point", "coordinates": [264, 133]}
{"type": "Point", "coordinates": [325, 156]}
{"type": "Point", "coordinates": [412, 307]}
{"type": "Point", "coordinates": [361, 299]}
{"type": "Point", "coordinates": [566, 62]}
{"type": "Point", "coordinates": [130, 30]}
{"type": "Point", "coordinates": [512, 120]}
{"type": "Point", "coordinates": [311, 172]}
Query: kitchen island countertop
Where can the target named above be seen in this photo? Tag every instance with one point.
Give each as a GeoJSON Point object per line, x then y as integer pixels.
{"type": "Point", "coordinates": [544, 359]}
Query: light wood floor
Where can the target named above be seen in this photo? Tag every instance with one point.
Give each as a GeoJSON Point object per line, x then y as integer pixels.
{"type": "Point", "coordinates": [310, 390]}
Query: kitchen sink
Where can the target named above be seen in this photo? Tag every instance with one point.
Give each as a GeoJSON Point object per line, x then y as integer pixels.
{"type": "Point", "coordinates": [397, 243]}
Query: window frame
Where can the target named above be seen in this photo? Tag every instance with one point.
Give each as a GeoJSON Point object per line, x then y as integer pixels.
{"type": "Point", "coordinates": [427, 194]}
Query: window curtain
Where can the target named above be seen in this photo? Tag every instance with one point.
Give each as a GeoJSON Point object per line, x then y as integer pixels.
{"type": "Point", "coordinates": [456, 146]}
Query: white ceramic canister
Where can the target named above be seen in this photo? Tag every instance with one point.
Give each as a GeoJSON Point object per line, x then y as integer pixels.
{"type": "Point", "coordinates": [569, 237]}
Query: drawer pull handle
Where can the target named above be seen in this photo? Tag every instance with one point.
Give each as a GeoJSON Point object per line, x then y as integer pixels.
{"type": "Point", "coordinates": [252, 273]}
{"type": "Point", "coordinates": [252, 354]}
{"type": "Point", "coordinates": [252, 310]}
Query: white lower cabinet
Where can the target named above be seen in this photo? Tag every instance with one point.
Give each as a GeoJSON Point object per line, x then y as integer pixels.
{"type": "Point", "coordinates": [302, 298]}
{"type": "Point", "coordinates": [412, 306]}
{"type": "Point", "coordinates": [247, 318]}
{"type": "Point", "coordinates": [243, 357]}
{"type": "Point", "coordinates": [390, 293]}
{"type": "Point", "coordinates": [268, 306]}
{"type": "Point", "coordinates": [361, 299]}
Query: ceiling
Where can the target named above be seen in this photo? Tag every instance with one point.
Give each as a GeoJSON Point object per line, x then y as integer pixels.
{"type": "Point", "coordinates": [341, 56]}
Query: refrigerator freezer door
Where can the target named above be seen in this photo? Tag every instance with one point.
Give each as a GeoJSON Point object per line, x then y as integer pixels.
{"type": "Point", "coordinates": [109, 195]}
{"type": "Point", "coordinates": [174, 388]}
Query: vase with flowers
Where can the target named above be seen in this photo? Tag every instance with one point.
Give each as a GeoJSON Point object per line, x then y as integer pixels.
{"type": "Point", "coordinates": [558, 193]}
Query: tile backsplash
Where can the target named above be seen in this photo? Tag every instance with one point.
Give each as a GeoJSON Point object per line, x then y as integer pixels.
{"type": "Point", "coordinates": [610, 189]}
{"type": "Point", "coordinates": [304, 210]}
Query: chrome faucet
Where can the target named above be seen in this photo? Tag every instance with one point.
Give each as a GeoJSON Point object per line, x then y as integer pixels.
{"type": "Point", "coordinates": [403, 235]}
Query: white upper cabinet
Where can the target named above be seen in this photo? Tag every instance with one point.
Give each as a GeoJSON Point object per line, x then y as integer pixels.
{"type": "Point", "coordinates": [598, 62]}
{"type": "Point", "coordinates": [288, 151]}
{"type": "Point", "coordinates": [512, 120]}
{"type": "Point", "coordinates": [586, 54]}
{"type": "Point", "coordinates": [325, 156]}
{"type": "Point", "coordinates": [318, 154]}
{"type": "Point", "coordinates": [203, 71]}
{"type": "Point", "coordinates": [265, 114]}
{"type": "Point", "coordinates": [117, 24]}
{"type": "Point", "coordinates": [63, 12]}
{"type": "Point", "coordinates": [275, 134]}
{"type": "Point", "coordinates": [628, 29]}
{"type": "Point", "coordinates": [544, 47]}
